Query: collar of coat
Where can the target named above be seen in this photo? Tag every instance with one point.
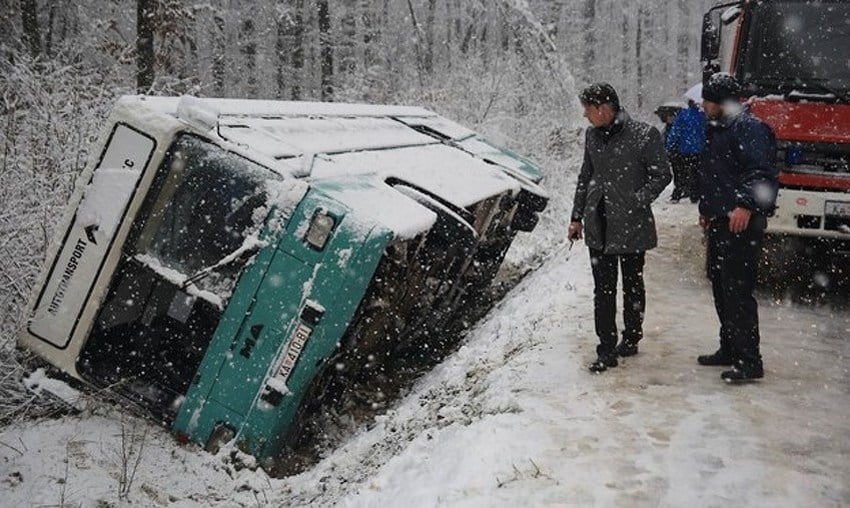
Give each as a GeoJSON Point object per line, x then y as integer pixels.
{"type": "Point", "coordinates": [608, 131]}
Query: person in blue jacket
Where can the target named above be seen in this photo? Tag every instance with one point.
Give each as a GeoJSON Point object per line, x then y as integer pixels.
{"type": "Point", "coordinates": [684, 144]}
{"type": "Point", "coordinates": [738, 182]}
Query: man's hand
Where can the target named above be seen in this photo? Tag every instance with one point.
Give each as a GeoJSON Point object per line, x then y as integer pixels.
{"type": "Point", "coordinates": [739, 219]}
{"type": "Point", "coordinates": [574, 231]}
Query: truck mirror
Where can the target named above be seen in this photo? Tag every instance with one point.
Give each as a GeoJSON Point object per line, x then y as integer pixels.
{"type": "Point", "coordinates": [731, 14]}
{"type": "Point", "coordinates": [710, 48]}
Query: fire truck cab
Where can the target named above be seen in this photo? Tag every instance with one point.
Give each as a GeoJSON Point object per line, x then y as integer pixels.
{"type": "Point", "coordinates": [793, 59]}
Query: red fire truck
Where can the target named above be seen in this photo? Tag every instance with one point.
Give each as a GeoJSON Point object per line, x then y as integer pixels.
{"type": "Point", "coordinates": [793, 59]}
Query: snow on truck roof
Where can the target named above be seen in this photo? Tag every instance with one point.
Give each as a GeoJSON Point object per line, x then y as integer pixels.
{"type": "Point", "coordinates": [344, 142]}
{"type": "Point", "coordinates": [259, 108]}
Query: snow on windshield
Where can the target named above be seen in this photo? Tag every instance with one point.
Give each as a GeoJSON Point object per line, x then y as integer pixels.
{"type": "Point", "coordinates": [206, 210]}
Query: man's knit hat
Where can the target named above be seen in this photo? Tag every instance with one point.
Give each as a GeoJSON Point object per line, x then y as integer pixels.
{"type": "Point", "coordinates": [721, 87]}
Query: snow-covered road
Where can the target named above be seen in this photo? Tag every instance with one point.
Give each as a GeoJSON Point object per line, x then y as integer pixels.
{"type": "Point", "coordinates": [515, 419]}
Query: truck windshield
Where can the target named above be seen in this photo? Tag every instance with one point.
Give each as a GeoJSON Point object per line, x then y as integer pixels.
{"type": "Point", "coordinates": [209, 201]}
{"type": "Point", "coordinates": [152, 332]}
{"type": "Point", "coordinates": [798, 44]}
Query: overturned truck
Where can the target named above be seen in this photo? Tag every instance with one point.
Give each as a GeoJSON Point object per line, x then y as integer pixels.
{"type": "Point", "coordinates": [219, 256]}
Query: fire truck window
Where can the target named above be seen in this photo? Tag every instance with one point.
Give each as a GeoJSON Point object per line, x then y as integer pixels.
{"type": "Point", "coordinates": [799, 42]}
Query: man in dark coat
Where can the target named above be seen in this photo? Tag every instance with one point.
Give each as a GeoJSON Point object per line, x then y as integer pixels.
{"type": "Point", "coordinates": [624, 170]}
{"type": "Point", "coordinates": [738, 181]}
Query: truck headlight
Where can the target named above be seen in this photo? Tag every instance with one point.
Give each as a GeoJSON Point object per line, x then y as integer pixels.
{"type": "Point", "coordinates": [320, 230]}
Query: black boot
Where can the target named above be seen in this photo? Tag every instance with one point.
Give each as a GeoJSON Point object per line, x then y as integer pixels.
{"type": "Point", "coordinates": [742, 372]}
{"type": "Point", "coordinates": [603, 362]}
{"type": "Point", "coordinates": [721, 357]}
{"type": "Point", "coordinates": [627, 348]}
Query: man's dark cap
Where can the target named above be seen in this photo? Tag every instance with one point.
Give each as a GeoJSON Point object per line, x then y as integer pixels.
{"type": "Point", "coordinates": [600, 93]}
{"type": "Point", "coordinates": [721, 87]}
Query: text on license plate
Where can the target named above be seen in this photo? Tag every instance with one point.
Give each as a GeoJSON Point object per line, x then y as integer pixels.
{"type": "Point", "coordinates": [837, 208]}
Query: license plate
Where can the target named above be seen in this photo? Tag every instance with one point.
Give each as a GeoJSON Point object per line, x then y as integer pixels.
{"type": "Point", "coordinates": [293, 351]}
{"type": "Point", "coordinates": [837, 209]}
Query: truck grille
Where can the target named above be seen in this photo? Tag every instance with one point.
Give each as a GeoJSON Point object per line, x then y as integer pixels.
{"type": "Point", "coordinates": [814, 166]}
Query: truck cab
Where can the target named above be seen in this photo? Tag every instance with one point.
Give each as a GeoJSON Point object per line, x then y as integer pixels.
{"type": "Point", "coordinates": [218, 255]}
{"type": "Point", "coordinates": [793, 59]}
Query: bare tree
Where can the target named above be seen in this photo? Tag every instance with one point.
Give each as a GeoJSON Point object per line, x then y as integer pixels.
{"type": "Point", "coordinates": [297, 49]}
{"type": "Point", "coordinates": [145, 11]}
{"type": "Point", "coordinates": [641, 21]}
{"type": "Point", "coordinates": [589, 53]}
{"type": "Point", "coordinates": [219, 65]}
{"type": "Point", "coordinates": [248, 48]}
{"type": "Point", "coordinates": [326, 45]}
{"type": "Point", "coordinates": [428, 64]}
{"type": "Point", "coordinates": [346, 45]}
{"type": "Point", "coordinates": [31, 37]}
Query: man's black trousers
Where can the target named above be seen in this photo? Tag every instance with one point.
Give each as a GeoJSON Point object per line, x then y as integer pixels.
{"type": "Point", "coordinates": [684, 176]}
{"type": "Point", "coordinates": [732, 262]}
{"type": "Point", "coordinates": [605, 297]}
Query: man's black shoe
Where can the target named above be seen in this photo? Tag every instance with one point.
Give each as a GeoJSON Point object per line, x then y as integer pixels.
{"type": "Point", "coordinates": [626, 348]}
{"type": "Point", "coordinates": [602, 363]}
{"type": "Point", "coordinates": [719, 358]}
{"type": "Point", "coordinates": [741, 372]}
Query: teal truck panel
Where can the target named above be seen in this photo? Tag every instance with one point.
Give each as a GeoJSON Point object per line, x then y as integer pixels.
{"type": "Point", "coordinates": [286, 317]}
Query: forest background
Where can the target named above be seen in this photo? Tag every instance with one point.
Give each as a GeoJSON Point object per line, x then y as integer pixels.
{"type": "Point", "coordinates": [507, 68]}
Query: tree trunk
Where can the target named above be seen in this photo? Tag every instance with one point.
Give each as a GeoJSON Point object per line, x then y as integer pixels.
{"type": "Point", "coordinates": [31, 37]}
{"type": "Point", "coordinates": [683, 44]}
{"type": "Point", "coordinates": [284, 27]}
{"type": "Point", "coordinates": [638, 62]}
{"type": "Point", "coordinates": [589, 54]}
{"type": "Point", "coordinates": [249, 55]}
{"type": "Point", "coordinates": [417, 41]}
{"type": "Point", "coordinates": [346, 47]}
{"type": "Point", "coordinates": [48, 39]}
{"type": "Point", "coordinates": [327, 58]}
{"type": "Point", "coordinates": [429, 37]}
{"type": "Point", "coordinates": [297, 50]}
{"type": "Point", "coordinates": [371, 34]}
{"type": "Point", "coordinates": [219, 67]}
{"type": "Point", "coordinates": [626, 61]}
{"type": "Point", "coordinates": [144, 45]}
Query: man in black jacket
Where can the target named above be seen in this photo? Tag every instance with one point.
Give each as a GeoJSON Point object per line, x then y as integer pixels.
{"type": "Point", "coordinates": [738, 181]}
{"type": "Point", "coordinates": [624, 170]}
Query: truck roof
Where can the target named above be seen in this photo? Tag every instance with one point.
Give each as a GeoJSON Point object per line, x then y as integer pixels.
{"type": "Point", "coordinates": [268, 108]}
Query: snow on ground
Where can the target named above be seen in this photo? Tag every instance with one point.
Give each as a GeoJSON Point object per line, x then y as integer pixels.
{"type": "Point", "coordinates": [515, 419]}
